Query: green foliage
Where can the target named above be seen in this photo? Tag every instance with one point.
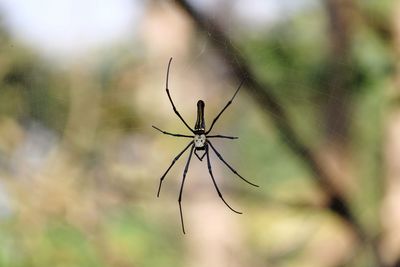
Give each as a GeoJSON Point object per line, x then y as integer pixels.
{"type": "Point", "coordinates": [102, 118]}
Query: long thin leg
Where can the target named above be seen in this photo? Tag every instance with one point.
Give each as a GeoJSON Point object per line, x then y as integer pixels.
{"type": "Point", "coordinates": [227, 105]}
{"type": "Point", "coordinates": [215, 184]}
{"type": "Point", "coordinates": [177, 135]}
{"type": "Point", "coordinates": [170, 99]}
{"type": "Point", "coordinates": [222, 136]}
{"type": "Point", "coordinates": [229, 166]}
{"type": "Point", "coordinates": [170, 166]}
{"type": "Point", "coordinates": [198, 156]}
{"type": "Point", "coordinates": [181, 191]}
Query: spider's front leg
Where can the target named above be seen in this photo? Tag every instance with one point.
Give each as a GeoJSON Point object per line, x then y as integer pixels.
{"type": "Point", "coordinates": [170, 166]}
{"type": "Point", "coordinates": [215, 184]}
{"type": "Point", "coordinates": [227, 165]}
{"type": "Point", "coordinates": [181, 190]}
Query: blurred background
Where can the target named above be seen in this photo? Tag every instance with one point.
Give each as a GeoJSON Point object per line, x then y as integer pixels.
{"type": "Point", "coordinates": [82, 82]}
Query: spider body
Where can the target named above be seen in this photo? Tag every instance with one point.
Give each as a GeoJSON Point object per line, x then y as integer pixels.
{"type": "Point", "coordinates": [199, 131]}
{"type": "Point", "coordinates": [200, 126]}
{"type": "Point", "coordinates": [199, 142]}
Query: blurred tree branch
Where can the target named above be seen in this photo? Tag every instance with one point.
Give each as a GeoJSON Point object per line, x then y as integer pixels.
{"type": "Point", "coordinates": [263, 96]}
{"type": "Point", "coordinates": [339, 74]}
{"type": "Point", "coordinates": [339, 17]}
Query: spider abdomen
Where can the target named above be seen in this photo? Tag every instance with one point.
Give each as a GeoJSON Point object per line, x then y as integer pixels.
{"type": "Point", "coordinates": [199, 140]}
{"type": "Point", "coordinates": [200, 125]}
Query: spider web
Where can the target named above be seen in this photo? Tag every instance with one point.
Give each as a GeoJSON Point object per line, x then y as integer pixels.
{"type": "Point", "coordinates": [106, 127]}
{"type": "Point", "coordinates": [300, 80]}
{"type": "Point", "coordinates": [289, 82]}
{"type": "Point", "coordinates": [206, 53]}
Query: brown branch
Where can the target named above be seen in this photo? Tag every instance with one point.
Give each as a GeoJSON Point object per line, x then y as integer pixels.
{"type": "Point", "coordinates": [340, 24]}
{"type": "Point", "coordinates": [263, 96]}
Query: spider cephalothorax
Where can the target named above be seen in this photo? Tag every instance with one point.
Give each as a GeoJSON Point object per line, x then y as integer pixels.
{"type": "Point", "coordinates": [200, 143]}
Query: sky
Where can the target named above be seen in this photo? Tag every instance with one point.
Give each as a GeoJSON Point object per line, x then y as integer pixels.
{"type": "Point", "coordinates": [70, 28]}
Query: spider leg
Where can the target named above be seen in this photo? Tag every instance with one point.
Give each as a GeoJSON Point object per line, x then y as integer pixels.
{"type": "Point", "coordinates": [229, 166]}
{"type": "Point", "coordinates": [177, 135]}
{"type": "Point", "coordinates": [222, 136]}
{"type": "Point", "coordinates": [170, 166]}
{"type": "Point", "coordinates": [215, 184]}
{"type": "Point", "coordinates": [170, 99]}
{"type": "Point", "coordinates": [227, 105]}
{"type": "Point", "coordinates": [201, 158]}
{"type": "Point", "coordinates": [181, 190]}
{"type": "Point", "coordinates": [198, 156]}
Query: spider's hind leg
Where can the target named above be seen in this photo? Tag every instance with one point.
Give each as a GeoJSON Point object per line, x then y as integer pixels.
{"type": "Point", "coordinates": [222, 136]}
{"type": "Point", "coordinates": [173, 134]}
{"type": "Point", "coordinates": [170, 98]}
{"type": "Point", "coordinates": [225, 107]}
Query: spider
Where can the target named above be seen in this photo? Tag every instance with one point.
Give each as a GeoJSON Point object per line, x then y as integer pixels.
{"type": "Point", "coordinates": [199, 143]}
